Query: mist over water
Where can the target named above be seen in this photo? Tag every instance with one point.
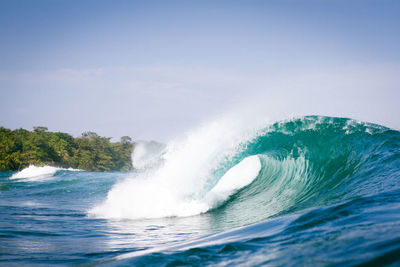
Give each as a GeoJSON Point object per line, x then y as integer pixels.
{"type": "Point", "coordinates": [184, 173]}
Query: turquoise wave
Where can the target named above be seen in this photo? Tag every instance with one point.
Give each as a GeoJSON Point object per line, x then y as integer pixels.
{"type": "Point", "coordinates": [313, 161]}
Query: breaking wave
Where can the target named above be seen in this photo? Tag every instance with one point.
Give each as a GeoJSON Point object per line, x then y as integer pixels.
{"type": "Point", "coordinates": [38, 173]}
{"type": "Point", "coordinates": [259, 172]}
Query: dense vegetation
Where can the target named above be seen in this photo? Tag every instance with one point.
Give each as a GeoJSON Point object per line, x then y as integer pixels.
{"type": "Point", "coordinates": [20, 148]}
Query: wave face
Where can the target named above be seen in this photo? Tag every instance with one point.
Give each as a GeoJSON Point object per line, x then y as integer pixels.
{"type": "Point", "coordinates": [315, 161]}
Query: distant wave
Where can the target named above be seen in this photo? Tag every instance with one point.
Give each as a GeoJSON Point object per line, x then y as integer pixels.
{"type": "Point", "coordinates": [38, 173]}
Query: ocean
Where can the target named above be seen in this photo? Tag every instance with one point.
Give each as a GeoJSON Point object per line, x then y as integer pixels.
{"type": "Point", "coordinates": [314, 191]}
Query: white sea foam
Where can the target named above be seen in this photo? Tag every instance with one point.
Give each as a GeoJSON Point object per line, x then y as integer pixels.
{"type": "Point", "coordinates": [233, 180]}
{"type": "Point", "coordinates": [33, 172]}
{"type": "Point", "coordinates": [178, 187]}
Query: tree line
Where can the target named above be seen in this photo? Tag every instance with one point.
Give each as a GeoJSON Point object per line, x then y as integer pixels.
{"type": "Point", "coordinates": [20, 148]}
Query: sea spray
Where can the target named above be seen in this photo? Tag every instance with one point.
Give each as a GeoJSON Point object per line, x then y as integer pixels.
{"type": "Point", "coordinates": [179, 186]}
{"type": "Point", "coordinates": [147, 154]}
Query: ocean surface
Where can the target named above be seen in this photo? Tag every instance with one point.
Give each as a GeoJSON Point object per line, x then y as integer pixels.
{"type": "Point", "coordinates": [315, 191]}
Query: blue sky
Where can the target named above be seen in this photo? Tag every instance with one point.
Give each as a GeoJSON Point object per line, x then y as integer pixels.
{"type": "Point", "coordinates": [151, 69]}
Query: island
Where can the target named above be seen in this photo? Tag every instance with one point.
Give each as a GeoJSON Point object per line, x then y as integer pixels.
{"type": "Point", "coordinates": [20, 148]}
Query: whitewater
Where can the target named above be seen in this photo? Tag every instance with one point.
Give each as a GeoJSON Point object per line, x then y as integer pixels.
{"type": "Point", "coordinates": [310, 190]}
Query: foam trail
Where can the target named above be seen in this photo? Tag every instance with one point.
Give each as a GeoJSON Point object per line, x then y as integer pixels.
{"type": "Point", "coordinates": [179, 186]}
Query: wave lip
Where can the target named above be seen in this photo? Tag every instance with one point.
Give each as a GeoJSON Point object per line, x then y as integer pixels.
{"type": "Point", "coordinates": [234, 179]}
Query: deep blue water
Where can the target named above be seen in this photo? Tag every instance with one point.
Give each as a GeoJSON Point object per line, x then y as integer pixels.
{"type": "Point", "coordinates": [327, 193]}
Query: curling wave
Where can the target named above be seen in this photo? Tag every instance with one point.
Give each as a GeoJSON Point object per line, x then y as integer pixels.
{"type": "Point", "coordinates": [262, 172]}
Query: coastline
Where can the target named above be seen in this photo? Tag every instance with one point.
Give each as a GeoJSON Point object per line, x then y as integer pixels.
{"type": "Point", "coordinates": [21, 148]}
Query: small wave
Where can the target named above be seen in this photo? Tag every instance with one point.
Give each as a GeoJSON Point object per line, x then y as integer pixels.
{"type": "Point", "coordinates": [38, 173]}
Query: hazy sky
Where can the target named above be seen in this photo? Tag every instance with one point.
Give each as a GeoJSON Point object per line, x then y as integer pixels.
{"type": "Point", "coordinates": [151, 69]}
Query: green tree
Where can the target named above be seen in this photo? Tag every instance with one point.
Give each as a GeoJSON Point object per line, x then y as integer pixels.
{"type": "Point", "coordinates": [20, 147]}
